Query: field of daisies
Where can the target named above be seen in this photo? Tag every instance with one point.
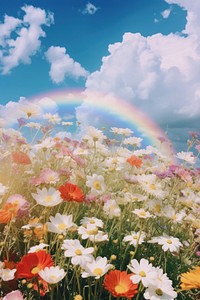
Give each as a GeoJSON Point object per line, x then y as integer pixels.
{"type": "Point", "coordinates": [96, 217]}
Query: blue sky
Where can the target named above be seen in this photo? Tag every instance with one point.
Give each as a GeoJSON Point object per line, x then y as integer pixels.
{"type": "Point", "coordinates": [145, 52]}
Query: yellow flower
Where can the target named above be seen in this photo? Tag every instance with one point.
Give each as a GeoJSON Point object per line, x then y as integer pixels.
{"type": "Point", "coordinates": [191, 279]}
{"type": "Point", "coordinates": [78, 297]}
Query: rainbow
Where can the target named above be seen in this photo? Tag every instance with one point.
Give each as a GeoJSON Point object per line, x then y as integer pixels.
{"type": "Point", "coordinates": [108, 109]}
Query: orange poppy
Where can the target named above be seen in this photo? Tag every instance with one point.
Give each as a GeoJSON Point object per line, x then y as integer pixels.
{"type": "Point", "coordinates": [8, 212]}
{"type": "Point", "coordinates": [21, 158]}
{"type": "Point", "coordinates": [71, 192]}
{"type": "Point", "coordinates": [134, 161]}
{"type": "Point", "coordinates": [118, 283]}
{"type": "Point", "coordinates": [32, 263]}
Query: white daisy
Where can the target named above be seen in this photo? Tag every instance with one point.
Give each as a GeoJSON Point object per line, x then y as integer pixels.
{"type": "Point", "coordinates": [97, 268]}
{"type": "Point", "coordinates": [141, 213]}
{"type": "Point", "coordinates": [50, 197]}
{"type": "Point", "coordinates": [96, 183]}
{"type": "Point", "coordinates": [60, 223]}
{"type": "Point", "coordinates": [167, 242]}
{"type": "Point", "coordinates": [160, 291]}
{"type": "Point", "coordinates": [7, 274]}
{"type": "Point", "coordinates": [143, 271]}
{"type": "Point", "coordinates": [37, 247]}
{"type": "Point", "coordinates": [79, 255]}
{"type": "Point", "coordinates": [52, 275]}
{"type": "Point", "coordinates": [135, 238]}
{"type": "Point", "coordinates": [95, 221]}
{"type": "Point", "coordinates": [188, 157]}
{"type": "Point", "coordinates": [112, 209]}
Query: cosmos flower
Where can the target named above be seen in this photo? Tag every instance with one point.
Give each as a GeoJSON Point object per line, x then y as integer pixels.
{"type": "Point", "coordinates": [21, 158]}
{"type": "Point", "coordinates": [134, 161]}
{"type": "Point", "coordinates": [52, 275]}
{"type": "Point", "coordinates": [8, 212]}
{"type": "Point", "coordinates": [32, 263]}
{"type": "Point", "coordinates": [121, 131]}
{"type": "Point", "coordinates": [191, 279]}
{"type": "Point", "coordinates": [71, 192]}
{"type": "Point", "coordinates": [188, 157]}
{"type": "Point", "coordinates": [7, 274]}
{"type": "Point", "coordinates": [118, 283]}
{"type": "Point", "coordinates": [23, 204]}
{"type": "Point", "coordinates": [133, 141]}
{"type": "Point", "coordinates": [50, 197]}
{"type": "Point", "coordinates": [17, 295]}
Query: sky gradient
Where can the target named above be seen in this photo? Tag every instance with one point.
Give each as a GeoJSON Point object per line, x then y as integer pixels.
{"type": "Point", "coordinates": [145, 52]}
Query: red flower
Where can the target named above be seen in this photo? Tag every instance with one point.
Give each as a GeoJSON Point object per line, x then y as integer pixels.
{"type": "Point", "coordinates": [118, 283]}
{"type": "Point", "coordinates": [134, 161]}
{"type": "Point", "coordinates": [8, 212]}
{"type": "Point", "coordinates": [32, 263]}
{"type": "Point", "coordinates": [71, 192]}
{"type": "Point", "coordinates": [21, 158]}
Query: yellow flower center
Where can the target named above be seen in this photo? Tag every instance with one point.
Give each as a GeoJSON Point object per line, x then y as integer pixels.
{"type": "Point", "coordinates": [35, 270]}
{"type": "Point", "coordinates": [53, 277]}
{"type": "Point", "coordinates": [152, 186]}
{"type": "Point", "coordinates": [169, 241]}
{"type": "Point", "coordinates": [62, 226]}
{"type": "Point", "coordinates": [142, 213]}
{"type": "Point", "coordinates": [93, 231]}
{"type": "Point", "coordinates": [48, 199]}
{"type": "Point", "coordinates": [119, 289]}
{"type": "Point", "coordinates": [135, 237]}
{"type": "Point", "coordinates": [157, 208]}
{"type": "Point", "coordinates": [159, 292]}
{"type": "Point", "coordinates": [78, 252]}
{"type": "Point", "coordinates": [97, 185]}
{"type": "Point", "coordinates": [142, 274]}
{"type": "Point", "coordinates": [98, 271]}
{"type": "Point", "coordinates": [92, 221]}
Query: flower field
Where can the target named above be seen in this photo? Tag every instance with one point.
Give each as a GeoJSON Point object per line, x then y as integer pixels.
{"type": "Point", "coordinates": [97, 217]}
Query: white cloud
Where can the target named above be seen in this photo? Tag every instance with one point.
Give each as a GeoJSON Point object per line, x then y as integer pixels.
{"type": "Point", "coordinates": [20, 39]}
{"type": "Point", "coordinates": [165, 13]}
{"type": "Point", "coordinates": [159, 73]}
{"type": "Point", "coordinates": [90, 9]}
{"type": "Point", "coordinates": [63, 65]}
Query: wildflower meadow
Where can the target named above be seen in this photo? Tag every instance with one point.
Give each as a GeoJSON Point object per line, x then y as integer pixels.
{"type": "Point", "coordinates": [96, 217]}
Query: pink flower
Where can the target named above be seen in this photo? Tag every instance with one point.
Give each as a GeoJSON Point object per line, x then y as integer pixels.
{"type": "Point", "coordinates": [17, 295]}
{"type": "Point", "coordinates": [23, 204]}
{"type": "Point", "coordinates": [47, 176]}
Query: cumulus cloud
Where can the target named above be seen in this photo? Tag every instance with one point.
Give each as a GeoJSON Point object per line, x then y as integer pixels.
{"type": "Point", "coordinates": [62, 65]}
{"type": "Point", "coordinates": [20, 38]}
{"type": "Point", "coordinates": [12, 111]}
{"type": "Point", "coordinates": [90, 9]}
{"type": "Point", "coordinates": [159, 73]}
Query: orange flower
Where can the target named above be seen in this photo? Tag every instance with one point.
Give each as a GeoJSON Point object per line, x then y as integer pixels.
{"type": "Point", "coordinates": [32, 263]}
{"type": "Point", "coordinates": [71, 192]}
{"type": "Point", "coordinates": [118, 283]}
{"type": "Point", "coordinates": [21, 158]}
{"type": "Point", "coordinates": [8, 212]}
{"type": "Point", "coordinates": [191, 279]}
{"type": "Point", "coordinates": [134, 161]}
